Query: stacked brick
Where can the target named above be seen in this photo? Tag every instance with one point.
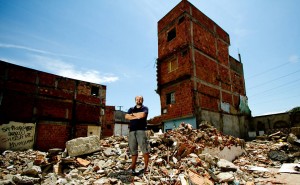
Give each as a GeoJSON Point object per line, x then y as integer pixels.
{"type": "Point", "coordinates": [62, 107]}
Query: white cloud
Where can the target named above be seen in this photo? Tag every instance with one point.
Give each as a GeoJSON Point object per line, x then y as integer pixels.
{"type": "Point", "coordinates": [13, 46]}
{"type": "Point", "coordinates": [61, 68]}
{"type": "Point", "coordinates": [23, 47]}
{"type": "Point", "coordinates": [294, 58]}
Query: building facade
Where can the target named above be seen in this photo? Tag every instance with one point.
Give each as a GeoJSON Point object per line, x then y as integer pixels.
{"type": "Point", "coordinates": [59, 108]}
{"type": "Point", "coordinates": [197, 79]}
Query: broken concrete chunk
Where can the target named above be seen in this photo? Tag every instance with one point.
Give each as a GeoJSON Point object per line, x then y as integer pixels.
{"type": "Point", "coordinates": [83, 162]}
{"type": "Point", "coordinates": [225, 177]}
{"type": "Point", "coordinates": [83, 145]}
{"type": "Point", "coordinates": [109, 152]}
{"type": "Point", "coordinates": [32, 172]}
{"type": "Point", "coordinates": [226, 165]}
{"type": "Point", "coordinates": [102, 181]}
{"type": "Point", "coordinates": [123, 145]}
{"type": "Point", "coordinates": [25, 180]}
{"type": "Point", "coordinates": [278, 155]}
{"type": "Point", "coordinates": [292, 138]}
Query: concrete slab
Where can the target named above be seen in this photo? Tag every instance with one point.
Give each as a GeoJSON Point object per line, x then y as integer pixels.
{"type": "Point", "coordinates": [228, 153]}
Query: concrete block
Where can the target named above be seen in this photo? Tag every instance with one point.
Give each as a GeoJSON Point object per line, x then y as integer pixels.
{"type": "Point", "coordinates": [295, 131]}
{"type": "Point", "coordinates": [83, 145]}
{"type": "Point", "coordinates": [228, 153]}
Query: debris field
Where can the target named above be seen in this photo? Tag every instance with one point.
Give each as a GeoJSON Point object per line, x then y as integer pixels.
{"type": "Point", "coordinates": [177, 157]}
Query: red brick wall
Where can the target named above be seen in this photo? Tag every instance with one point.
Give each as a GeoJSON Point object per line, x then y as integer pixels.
{"type": "Point", "coordinates": [49, 100]}
{"type": "Point", "coordinates": [109, 122]}
{"type": "Point", "coordinates": [206, 69]}
{"type": "Point", "coordinates": [225, 78]}
{"type": "Point", "coordinates": [183, 98]}
{"type": "Point", "coordinates": [81, 130]}
{"type": "Point", "coordinates": [182, 39]}
{"type": "Point", "coordinates": [21, 87]}
{"type": "Point", "coordinates": [51, 135]}
{"type": "Point", "coordinates": [226, 97]}
{"type": "Point", "coordinates": [17, 106]}
{"type": "Point", "coordinates": [53, 108]}
{"type": "Point", "coordinates": [175, 13]}
{"type": "Point", "coordinates": [208, 90]}
{"type": "Point", "coordinates": [238, 84]}
{"type": "Point", "coordinates": [209, 102]}
{"type": "Point", "coordinates": [208, 97]}
{"type": "Point", "coordinates": [204, 40]}
{"type": "Point", "coordinates": [223, 54]}
{"type": "Point", "coordinates": [20, 74]}
{"type": "Point", "coordinates": [184, 68]}
{"type": "Point", "coordinates": [87, 113]}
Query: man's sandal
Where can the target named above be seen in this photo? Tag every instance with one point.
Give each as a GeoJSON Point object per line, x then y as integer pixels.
{"type": "Point", "coordinates": [144, 171]}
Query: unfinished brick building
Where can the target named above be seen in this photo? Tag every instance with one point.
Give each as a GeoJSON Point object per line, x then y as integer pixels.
{"type": "Point", "coordinates": [197, 79]}
{"type": "Point", "coordinates": [60, 108]}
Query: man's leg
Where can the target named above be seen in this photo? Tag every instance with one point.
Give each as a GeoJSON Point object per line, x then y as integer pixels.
{"type": "Point", "coordinates": [133, 163]}
{"type": "Point", "coordinates": [133, 148]}
{"type": "Point", "coordinates": [146, 161]}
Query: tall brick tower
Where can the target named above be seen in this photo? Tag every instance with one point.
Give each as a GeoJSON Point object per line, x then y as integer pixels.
{"type": "Point", "coordinates": [197, 79]}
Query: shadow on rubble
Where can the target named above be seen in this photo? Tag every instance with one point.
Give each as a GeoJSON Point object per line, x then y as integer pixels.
{"type": "Point", "coordinates": [125, 176]}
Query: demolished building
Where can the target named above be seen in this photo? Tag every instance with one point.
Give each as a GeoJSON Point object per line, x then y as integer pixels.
{"type": "Point", "coordinates": [42, 110]}
{"type": "Point", "coordinates": [181, 156]}
{"type": "Point", "coordinates": [197, 79]}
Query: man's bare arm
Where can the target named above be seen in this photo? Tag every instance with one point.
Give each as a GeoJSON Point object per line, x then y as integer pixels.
{"type": "Point", "coordinates": [138, 115]}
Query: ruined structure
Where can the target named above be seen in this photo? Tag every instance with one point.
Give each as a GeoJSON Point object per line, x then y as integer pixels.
{"type": "Point", "coordinates": [57, 108]}
{"type": "Point", "coordinates": [285, 122]}
{"type": "Point", "coordinates": [197, 79]}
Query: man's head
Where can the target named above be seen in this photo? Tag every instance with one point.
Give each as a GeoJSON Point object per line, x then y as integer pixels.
{"type": "Point", "coordinates": [139, 100]}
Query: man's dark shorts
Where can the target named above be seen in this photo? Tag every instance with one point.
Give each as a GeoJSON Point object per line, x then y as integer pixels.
{"type": "Point", "coordinates": [138, 138]}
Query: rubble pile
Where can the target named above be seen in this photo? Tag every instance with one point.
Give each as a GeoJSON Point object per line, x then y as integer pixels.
{"type": "Point", "coordinates": [176, 158]}
{"type": "Point", "coordinates": [270, 151]}
{"type": "Point", "coordinates": [187, 140]}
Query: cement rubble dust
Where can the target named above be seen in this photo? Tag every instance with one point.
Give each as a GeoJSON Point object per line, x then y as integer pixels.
{"type": "Point", "coordinates": [177, 157]}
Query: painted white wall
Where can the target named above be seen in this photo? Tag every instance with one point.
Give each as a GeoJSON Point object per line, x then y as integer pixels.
{"type": "Point", "coordinates": [17, 136]}
{"type": "Point", "coordinates": [121, 129]}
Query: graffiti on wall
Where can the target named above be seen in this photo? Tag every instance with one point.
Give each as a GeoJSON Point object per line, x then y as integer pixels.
{"type": "Point", "coordinates": [17, 136]}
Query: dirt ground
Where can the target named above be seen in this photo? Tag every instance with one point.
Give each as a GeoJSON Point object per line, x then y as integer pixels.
{"type": "Point", "coordinates": [281, 178]}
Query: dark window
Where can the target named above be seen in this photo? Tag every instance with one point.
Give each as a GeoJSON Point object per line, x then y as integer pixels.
{"type": "Point", "coordinates": [181, 19]}
{"type": "Point", "coordinates": [108, 126]}
{"type": "Point", "coordinates": [184, 52]}
{"type": "Point", "coordinates": [170, 98]}
{"type": "Point", "coordinates": [171, 34]}
{"type": "Point", "coordinates": [95, 91]}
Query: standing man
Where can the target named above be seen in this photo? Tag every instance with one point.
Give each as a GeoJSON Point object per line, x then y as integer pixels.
{"type": "Point", "coordinates": [137, 133]}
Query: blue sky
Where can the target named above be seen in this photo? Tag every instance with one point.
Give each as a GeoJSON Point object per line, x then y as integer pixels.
{"type": "Point", "coordinates": [114, 43]}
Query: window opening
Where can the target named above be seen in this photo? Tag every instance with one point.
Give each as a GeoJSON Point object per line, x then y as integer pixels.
{"type": "Point", "coordinates": [95, 91]}
{"type": "Point", "coordinates": [170, 98]}
{"type": "Point", "coordinates": [172, 65]}
{"type": "Point", "coordinates": [171, 34]}
{"type": "Point", "coordinates": [181, 19]}
{"type": "Point", "coordinates": [164, 111]}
